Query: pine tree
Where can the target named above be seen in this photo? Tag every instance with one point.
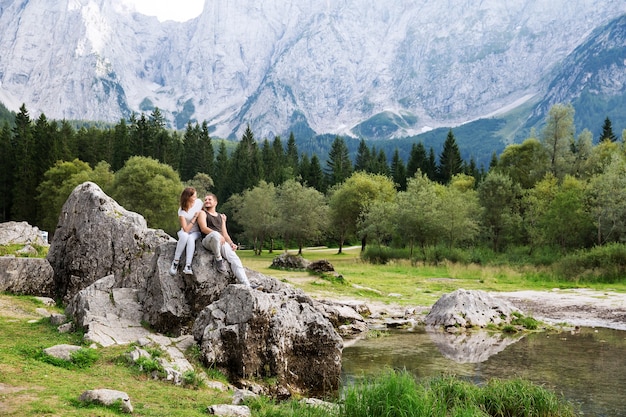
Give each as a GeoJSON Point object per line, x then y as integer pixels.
{"type": "Point", "coordinates": [192, 156]}
{"type": "Point", "coordinates": [246, 168]}
{"type": "Point", "coordinates": [206, 151]}
{"type": "Point", "coordinates": [7, 166]}
{"type": "Point", "coordinates": [315, 177]}
{"type": "Point", "coordinates": [25, 184]}
{"type": "Point", "coordinates": [338, 165]}
{"type": "Point", "coordinates": [417, 160]}
{"type": "Point", "coordinates": [221, 178]}
{"type": "Point", "coordinates": [121, 145]}
{"type": "Point", "coordinates": [363, 159]}
{"type": "Point", "coordinates": [607, 131]}
{"type": "Point", "coordinates": [292, 155]}
{"type": "Point", "coordinates": [398, 171]}
{"type": "Point", "coordinates": [450, 162]}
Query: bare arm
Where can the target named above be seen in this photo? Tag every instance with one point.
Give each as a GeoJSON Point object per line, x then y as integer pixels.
{"type": "Point", "coordinates": [225, 233]}
{"type": "Point", "coordinates": [185, 225]}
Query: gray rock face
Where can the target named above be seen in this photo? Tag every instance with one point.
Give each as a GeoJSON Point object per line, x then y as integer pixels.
{"type": "Point", "coordinates": [249, 333]}
{"type": "Point", "coordinates": [96, 237]}
{"type": "Point", "coordinates": [26, 276]}
{"type": "Point", "coordinates": [113, 273]}
{"type": "Point", "coordinates": [464, 309]}
{"type": "Point", "coordinates": [107, 397]}
{"type": "Point", "coordinates": [20, 233]}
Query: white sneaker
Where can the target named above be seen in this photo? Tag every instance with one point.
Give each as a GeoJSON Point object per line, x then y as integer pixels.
{"type": "Point", "coordinates": [174, 268]}
{"type": "Point", "coordinates": [187, 270]}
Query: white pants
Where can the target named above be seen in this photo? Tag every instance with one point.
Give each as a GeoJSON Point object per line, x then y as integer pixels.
{"type": "Point", "coordinates": [187, 243]}
{"type": "Point", "coordinates": [223, 250]}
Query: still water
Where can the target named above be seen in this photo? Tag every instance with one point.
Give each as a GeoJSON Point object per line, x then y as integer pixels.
{"type": "Point", "coordinates": [588, 366]}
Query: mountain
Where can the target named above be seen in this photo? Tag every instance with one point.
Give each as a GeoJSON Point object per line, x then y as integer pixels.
{"type": "Point", "coordinates": [376, 70]}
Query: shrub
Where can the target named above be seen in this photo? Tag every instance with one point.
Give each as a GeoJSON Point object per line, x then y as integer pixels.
{"type": "Point", "coordinates": [605, 264]}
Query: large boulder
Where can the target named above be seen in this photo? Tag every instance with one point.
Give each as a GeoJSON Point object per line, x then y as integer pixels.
{"type": "Point", "coordinates": [172, 303]}
{"type": "Point", "coordinates": [26, 276]}
{"type": "Point", "coordinates": [20, 233]}
{"type": "Point", "coordinates": [252, 334]}
{"type": "Point", "coordinates": [96, 237]}
{"type": "Point", "coordinates": [464, 309]}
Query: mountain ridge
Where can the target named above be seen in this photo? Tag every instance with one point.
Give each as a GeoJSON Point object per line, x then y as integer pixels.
{"type": "Point", "coordinates": [380, 71]}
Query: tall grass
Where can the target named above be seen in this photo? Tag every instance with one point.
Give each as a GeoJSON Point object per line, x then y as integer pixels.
{"type": "Point", "coordinates": [397, 394]}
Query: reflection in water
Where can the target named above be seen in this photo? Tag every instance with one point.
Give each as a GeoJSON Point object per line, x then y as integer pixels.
{"type": "Point", "coordinates": [588, 367]}
{"type": "Point", "coordinates": [471, 347]}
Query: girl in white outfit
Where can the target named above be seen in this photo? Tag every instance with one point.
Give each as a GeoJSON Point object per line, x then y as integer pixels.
{"type": "Point", "coordinates": [189, 231]}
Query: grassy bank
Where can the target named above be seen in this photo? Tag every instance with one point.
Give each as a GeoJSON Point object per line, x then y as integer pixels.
{"type": "Point", "coordinates": [31, 386]}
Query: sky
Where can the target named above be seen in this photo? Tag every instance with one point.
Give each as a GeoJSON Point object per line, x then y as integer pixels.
{"type": "Point", "coordinates": [178, 10]}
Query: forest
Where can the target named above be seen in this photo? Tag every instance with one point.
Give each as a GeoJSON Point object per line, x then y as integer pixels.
{"type": "Point", "coordinates": [554, 194]}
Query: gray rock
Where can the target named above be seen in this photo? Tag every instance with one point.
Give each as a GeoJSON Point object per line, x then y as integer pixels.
{"type": "Point", "coordinates": [241, 395]}
{"type": "Point", "coordinates": [106, 314]}
{"type": "Point", "coordinates": [96, 237]}
{"type": "Point", "coordinates": [229, 410]}
{"type": "Point", "coordinates": [20, 233]}
{"type": "Point", "coordinates": [107, 397]}
{"type": "Point", "coordinates": [57, 319]}
{"type": "Point", "coordinates": [26, 276]}
{"type": "Point", "coordinates": [248, 334]}
{"type": "Point", "coordinates": [66, 328]}
{"type": "Point", "coordinates": [62, 351]}
{"type": "Point", "coordinates": [288, 261]}
{"type": "Point", "coordinates": [464, 309]}
{"type": "Point", "coordinates": [27, 250]}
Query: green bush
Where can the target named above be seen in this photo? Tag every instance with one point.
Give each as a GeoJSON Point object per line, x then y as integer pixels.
{"type": "Point", "coordinates": [381, 255]}
{"type": "Point", "coordinates": [606, 264]}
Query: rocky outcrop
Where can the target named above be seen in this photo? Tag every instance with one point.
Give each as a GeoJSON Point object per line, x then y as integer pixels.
{"type": "Point", "coordinates": [463, 309]}
{"type": "Point", "coordinates": [112, 270]}
{"type": "Point", "coordinates": [26, 276]}
{"type": "Point", "coordinates": [249, 333]}
{"type": "Point", "coordinates": [96, 237]}
{"type": "Point", "coordinates": [20, 233]}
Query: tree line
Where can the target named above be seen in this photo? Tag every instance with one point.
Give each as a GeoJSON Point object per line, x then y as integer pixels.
{"type": "Point", "coordinates": [555, 189]}
{"type": "Point", "coordinates": [29, 148]}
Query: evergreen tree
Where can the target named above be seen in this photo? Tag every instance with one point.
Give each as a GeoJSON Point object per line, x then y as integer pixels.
{"type": "Point", "coordinates": [398, 171]}
{"type": "Point", "coordinates": [304, 168]}
{"type": "Point", "coordinates": [363, 159]}
{"type": "Point", "coordinates": [7, 166]}
{"type": "Point", "coordinates": [339, 166]}
{"type": "Point", "coordinates": [417, 160]}
{"type": "Point", "coordinates": [269, 162]}
{"type": "Point", "coordinates": [206, 151]}
{"type": "Point", "coordinates": [607, 131]}
{"type": "Point", "coordinates": [25, 182]}
{"type": "Point", "coordinates": [121, 145]}
{"type": "Point", "coordinates": [246, 169]}
{"type": "Point", "coordinates": [192, 157]}
{"type": "Point", "coordinates": [158, 137]}
{"type": "Point", "coordinates": [292, 155]}
{"type": "Point", "coordinates": [221, 179]}
{"type": "Point", "coordinates": [380, 164]}
{"type": "Point", "coordinates": [493, 163]}
{"type": "Point", "coordinates": [450, 162]}
{"type": "Point", "coordinates": [315, 177]}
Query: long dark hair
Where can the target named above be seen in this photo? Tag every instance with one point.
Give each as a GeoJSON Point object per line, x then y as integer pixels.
{"type": "Point", "coordinates": [185, 198]}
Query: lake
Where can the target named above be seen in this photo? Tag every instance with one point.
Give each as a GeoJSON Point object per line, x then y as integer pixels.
{"type": "Point", "coordinates": [587, 366]}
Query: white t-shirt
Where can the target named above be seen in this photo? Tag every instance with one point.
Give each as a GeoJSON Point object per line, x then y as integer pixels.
{"type": "Point", "coordinates": [188, 215]}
